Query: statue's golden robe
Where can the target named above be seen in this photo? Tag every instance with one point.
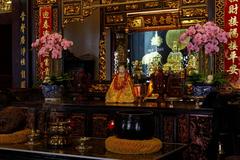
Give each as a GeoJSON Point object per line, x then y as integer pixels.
{"type": "Point", "coordinates": [121, 90]}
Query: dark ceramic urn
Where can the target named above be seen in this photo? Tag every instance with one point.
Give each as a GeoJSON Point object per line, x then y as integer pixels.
{"type": "Point", "coordinates": [134, 125]}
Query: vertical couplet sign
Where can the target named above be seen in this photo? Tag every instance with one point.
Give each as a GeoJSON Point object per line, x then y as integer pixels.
{"type": "Point", "coordinates": [23, 67]}
{"type": "Point", "coordinates": [232, 50]}
{"type": "Point", "coordinates": [45, 27]}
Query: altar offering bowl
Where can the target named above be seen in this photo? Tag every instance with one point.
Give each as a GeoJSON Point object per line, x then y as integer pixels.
{"type": "Point", "coordinates": [135, 125]}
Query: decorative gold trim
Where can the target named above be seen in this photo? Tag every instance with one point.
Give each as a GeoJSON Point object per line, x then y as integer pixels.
{"type": "Point", "coordinates": [137, 22]}
{"type": "Point", "coordinates": [5, 6]}
{"type": "Point", "coordinates": [102, 59]}
{"type": "Point", "coordinates": [118, 3]}
{"type": "Point", "coordinates": [76, 10]}
{"type": "Point", "coordinates": [219, 12]}
{"type": "Point", "coordinates": [55, 20]}
{"type": "Point", "coordinates": [115, 19]}
{"type": "Point", "coordinates": [99, 88]}
{"type": "Point", "coordinates": [195, 12]}
{"type": "Point", "coordinates": [193, 21]}
{"type": "Point", "coordinates": [193, 2]}
{"type": "Point", "coordinates": [219, 17]}
{"type": "Point", "coordinates": [163, 21]}
{"type": "Point", "coordinates": [43, 2]}
{"type": "Point", "coordinates": [36, 35]}
{"type": "Point", "coordinates": [162, 11]}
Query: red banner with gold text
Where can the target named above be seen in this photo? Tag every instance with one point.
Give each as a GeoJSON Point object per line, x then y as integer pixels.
{"type": "Point", "coordinates": [45, 26]}
{"type": "Point", "coordinates": [232, 50]}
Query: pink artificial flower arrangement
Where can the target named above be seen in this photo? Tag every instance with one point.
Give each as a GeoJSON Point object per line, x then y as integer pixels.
{"type": "Point", "coordinates": [208, 35]}
{"type": "Point", "coordinates": [52, 44]}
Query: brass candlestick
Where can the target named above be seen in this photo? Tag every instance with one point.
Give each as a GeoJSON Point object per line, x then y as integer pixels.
{"type": "Point", "coordinates": [59, 133]}
{"type": "Point", "coordinates": [34, 137]}
{"type": "Point", "coordinates": [82, 145]}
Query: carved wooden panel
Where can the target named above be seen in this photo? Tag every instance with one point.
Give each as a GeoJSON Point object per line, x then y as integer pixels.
{"type": "Point", "coordinates": [75, 10]}
{"type": "Point", "coordinates": [195, 12]}
{"type": "Point", "coordinates": [219, 14]}
{"type": "Point", "coordinates": [159, 20]}
{"type": "Point", "coordinates": [115, 19]}
{"type": "Point", "coordinates": [31, 120]}
{"type": "Point", "coordinates": [194, 2]}
{"type": "Point", "coordinates": [57, 117]}
{"type": "Point", "coordinates": [78, 121]}
{"type": "Point", "coordinates": [99, 125]}
{"type": "Point", "coordinates": [112, 8]}
{"type": "Point", "coordinates": [55, 20]}
{"type": "Point", "coordinates": [44, 2]}
{"type": "Point", "coordinates": [37, 120]}
{"type": "Point", "coordinates": [132, 7]}
{"type": "Point", "coordinates": [200, 134]}
{"type": "Point", "coordinates": [98, 89]}
{"type": "Point", "coordinates": [168, 128]}
{"type": "Point", "coordinates": [183, 128]}
{"type": "Point", "coordinates": [170, 4]}
{"type": "Point", "coordinates": [42, 121]}
{"type": "Point", "coordinates": [152, 5]}
{"type": "Point", "coordinates": [141, 6]}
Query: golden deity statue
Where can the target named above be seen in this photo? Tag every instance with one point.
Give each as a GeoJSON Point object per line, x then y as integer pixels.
{"type": "Point", "coordinates": [175, 57]}
{"type": "Point", "coordinates": [193, 64]}
{"type": "Point", "coordinates": [174, 60]}
{"type": "Point", "coordinates": [121, 89]}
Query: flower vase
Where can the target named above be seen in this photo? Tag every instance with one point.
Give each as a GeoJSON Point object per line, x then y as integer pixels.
{"type": "Point", "coordinates": [52, 93]}
{"type": "Point", "coordinates": [206, 64]}
{"type": "Point", "coordinates": [57, 67]}
{"type": "Point", "coordinates": [202, 90]}
{"type": "Point", "coordinates": [211, 66]}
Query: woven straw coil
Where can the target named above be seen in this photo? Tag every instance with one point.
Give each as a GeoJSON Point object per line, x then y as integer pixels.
{"type": "Point", "coordinates": [16, 137]}
{"type": "Point", "coordinates": [126, 146]}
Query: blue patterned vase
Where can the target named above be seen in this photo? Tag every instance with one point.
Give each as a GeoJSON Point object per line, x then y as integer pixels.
{"type": "Point", "coordinates": [202, 90]}
{"type": "Point", "coordinates": [52, 93]}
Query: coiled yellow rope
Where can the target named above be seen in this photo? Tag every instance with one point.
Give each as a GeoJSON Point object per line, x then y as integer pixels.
{"type": "Point", "coordinates": [16, 137]}
{"type": "Point", "coordinates": [125, 146]}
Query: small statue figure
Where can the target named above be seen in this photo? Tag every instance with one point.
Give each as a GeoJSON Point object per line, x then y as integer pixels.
{"type": "Point", "coordinates": [174, 60]}
{"type": "Point", "coordinates": [192, 66]}
{"type": "Point", "coordinates": [138, 75]}
{"type": "Point", "coordinates": [80, 84]}
{"type": "Point", "coordinates": [121, 89]}
{"type": "Point", "coordinates": [174, 84]}
{"type": "Point", "coordinates": [209, 79]}
{"type": "Point", "coordinates": [156, 85]}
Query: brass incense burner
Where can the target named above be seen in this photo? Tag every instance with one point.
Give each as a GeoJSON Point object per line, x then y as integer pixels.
{"type": "Point", "coordinates": [59, 133]}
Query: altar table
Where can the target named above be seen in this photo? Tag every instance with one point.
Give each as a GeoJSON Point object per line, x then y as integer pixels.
{"type": "Point", "coordinates": [95, 150]}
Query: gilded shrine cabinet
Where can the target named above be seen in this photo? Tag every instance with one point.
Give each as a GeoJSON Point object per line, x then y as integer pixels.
{"type": "Point", "coordinates": [136, 29]}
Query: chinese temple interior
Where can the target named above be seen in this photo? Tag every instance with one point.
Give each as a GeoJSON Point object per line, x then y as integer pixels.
{"type": "Point", "coordinates": [119, 79]}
